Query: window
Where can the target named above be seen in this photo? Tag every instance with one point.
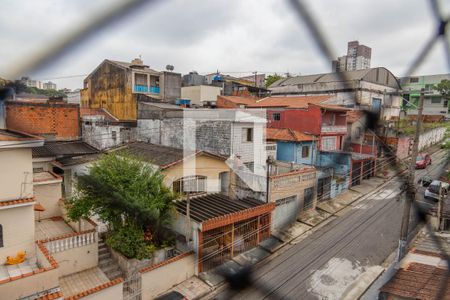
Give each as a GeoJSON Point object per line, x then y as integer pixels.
{"type": "Point", "coordinates": [436, 100]}
{"type": "Point", "coordinates": [445, 103]}
{"type": "Point", "coordinates": [413, 79]}
{"type": "Point", "coordinates": [329, 143]}
{"type": "Point", "coordinates": [308, 200]}
{"type": "Point", "coordinates": [191, 184]}
{"type": "Point", "coordinates": [276, 116]}
{"type": "Point", "coordinates": [1, 236]}
{"type": "Point", "coordinates": [428, 87]}
{"type": "Point", "coordinates": [247, 134]}
{"type": "Point", "coordinates": [114, 135]}
{"type": "Point", "coordinates": [305, 151]}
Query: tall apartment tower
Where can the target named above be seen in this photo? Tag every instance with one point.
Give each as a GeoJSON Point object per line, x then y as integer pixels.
{"type": "Point", "coordinates": [357, 58]}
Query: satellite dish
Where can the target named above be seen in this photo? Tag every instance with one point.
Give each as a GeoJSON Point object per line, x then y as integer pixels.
{"type": "Point", "coordinates": [170, 68]}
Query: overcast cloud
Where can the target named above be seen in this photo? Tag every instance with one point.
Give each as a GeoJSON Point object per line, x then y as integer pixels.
{"type": "Point", "coordinates": [234, 37]}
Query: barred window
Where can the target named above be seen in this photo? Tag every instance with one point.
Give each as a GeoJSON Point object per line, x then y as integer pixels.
{"type": "Point", "coordinates": [191, 184]}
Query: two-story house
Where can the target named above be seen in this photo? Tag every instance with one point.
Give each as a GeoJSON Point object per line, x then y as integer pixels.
{"type": "Point", "coordinates": [118, 87]}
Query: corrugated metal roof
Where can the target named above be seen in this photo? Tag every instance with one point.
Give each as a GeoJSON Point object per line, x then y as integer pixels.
{"type": "Point", "coordinates": [63, 148]}
{"type": "Point", "coordinates": [377, 75]}
{"type": "Point", "coordinates": [290, 102]}
{"type": "Point", "coordinates": [210, 206]}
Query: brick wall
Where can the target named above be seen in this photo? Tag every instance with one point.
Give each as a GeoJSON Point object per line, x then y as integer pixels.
{"type": "Point", "coordinates": [60, 120]}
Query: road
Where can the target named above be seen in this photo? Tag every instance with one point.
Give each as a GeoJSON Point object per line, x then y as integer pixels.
{"type": "Point", "coordinates": [326, 264]}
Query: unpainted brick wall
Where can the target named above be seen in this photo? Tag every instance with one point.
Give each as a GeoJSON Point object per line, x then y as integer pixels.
{"type": "Point", "coordinates": [58, 120]}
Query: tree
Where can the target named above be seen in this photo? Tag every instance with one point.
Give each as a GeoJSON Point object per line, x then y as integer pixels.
{"type": "Point", "coordinates": [443, 88]}
{"type": "Point", "coordinates": [129, 195]}
{"type": "Point", "coordinates": [270, 79]}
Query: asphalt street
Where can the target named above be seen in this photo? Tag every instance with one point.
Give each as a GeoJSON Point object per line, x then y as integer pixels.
{"type": "Point", "coordinates": [329, 262]}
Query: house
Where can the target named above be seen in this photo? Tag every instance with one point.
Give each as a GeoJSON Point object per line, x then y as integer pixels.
{"type": "Point", "coordinates": [52, 119]}
{"type": "Point", "coordinates": [118, 87]}
{"type": "Point", "coordinates": [103, 131]}
{"type": "Point", "coordinates": [185, 171]}
{"type": "Point", "coordinates": [293, 146]}
{"type": "Point", "coordinates": [434, 103]}
{"type": "Point", "coordinates": [201, 95]}
{"type": "Point", "coordinates": [234, 86]}
{"type": "Point", "coordinates": [222, 228]}
{"type": "Point", "coordinates": [375, 89]}
{"type": "Point", "coordinates": [225, 132]}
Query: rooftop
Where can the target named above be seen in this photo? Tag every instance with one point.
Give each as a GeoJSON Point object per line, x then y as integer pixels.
{"type": "Point", "coordinates": [163, 156]}
{"type": "Point", "coordinates": [88, 112]}
{"type": "Point", "coordinates": [41, 177]}
{"type": "Point", "coordinates": [240, 99]}
{"type": "Point", "coordinates": [290, 102]}
{"type": "Point", "coordinates": [12, 135]}
{"type": "Point", "coordinates": [287, 134]}
{"type": "Point", "coordinates": [417, 281]}
{"type": "Point", "coordinates": [64, 148]}
{"type": "Point", "coordinates": [204, 208]}
{"type": "Point", "coordinates": [51, 228]}
{"type": "Point", "coordinates": [76, 160]}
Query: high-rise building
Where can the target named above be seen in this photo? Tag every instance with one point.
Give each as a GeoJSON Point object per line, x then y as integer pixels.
{"type": "Point", "coordinates": [357, 58]}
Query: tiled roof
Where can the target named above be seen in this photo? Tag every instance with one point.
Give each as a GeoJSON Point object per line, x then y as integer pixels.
{"type": "Point", "coordinates": [72, 148]}
{"type": "Point", "coordinates": [287, 134]}
{"type": "Point", "coordinates": [427, 245]}
{"type": "Point", "coordinates": [16, 202]}
{"type": "Point", "coordinates": [331, 107]}
{"type": "Point", "coordinates": [13, 135]}
{"type": "Point", "coordinates": [45, 176]}
{"type": "Point", "coordinates": [51, 296]}
{"type": "Point", "coordinates": [290, 102]}
{"type": "Point", "coordinates": [240, 99]}
{"type": "Point", "coordinates": [163, 156]}
{"type": "Point", "coordinates": [211, 206]}
{"type": "Point", "coordinates": [95, 289]}
{"type": "Point", "coordinates": [417, 281]}
{"type": "Point", "coordinates": [77, 160]}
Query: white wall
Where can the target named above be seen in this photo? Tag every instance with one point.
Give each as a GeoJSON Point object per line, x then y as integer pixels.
{"type": "Point", "coordinates": [161, 279]}
{"type": "Point", "coordinates": [114, 292]}
{"type": "Point", "coordinates": [77, 259]}
{"type": "Point", "coordinates": [198, 94]}
{"type": "Point", "coordinates": [431, 137]}
{"type": "Point", "coordinates": [48, 195]}
{"type": "Point", "coordinates": [100, 135]}
{"type": "Point", "coordinates": [16, 174]}
{"type": "Point", "coordinates": [18, 231]}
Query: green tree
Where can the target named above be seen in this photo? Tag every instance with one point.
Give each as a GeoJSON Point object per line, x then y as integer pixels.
{"type": "Point", "coordinates": [443, 88]}
{"type": "Point", "coordinates": [129, 195]}
{"type": "Point", "coordinates": [272, 78]}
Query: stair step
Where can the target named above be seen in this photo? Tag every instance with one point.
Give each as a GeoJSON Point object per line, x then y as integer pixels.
{"type": "Point", "coordinates": [114, 275]}
{"type": "Point", "coordinates": [110, 268]}
{"type": "Point", "coordinates": [102, 256]}
{"type": "Point", "coordinates": [102, 251]}
{"type": "Point", "coordinates": [105, 262]}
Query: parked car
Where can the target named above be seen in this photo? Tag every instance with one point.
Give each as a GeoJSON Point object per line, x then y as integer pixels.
{"type": "Point", "coordinates": [423, 160]}
{"type": "Point", "coordinates": [432, 192]}
{"type": "Point", "coordinates": [425, 181]}
{"type": "Point", "coordinates": [173, 295]}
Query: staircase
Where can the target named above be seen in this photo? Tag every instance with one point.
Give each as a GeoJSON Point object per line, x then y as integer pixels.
{"type": "Point", "coordinates": [106, 263]}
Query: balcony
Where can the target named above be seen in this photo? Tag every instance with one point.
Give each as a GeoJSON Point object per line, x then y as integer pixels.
{"type": "Point", "coordinates": [146, 89]}
{"type": "Point", "coordinates": [334, 129]}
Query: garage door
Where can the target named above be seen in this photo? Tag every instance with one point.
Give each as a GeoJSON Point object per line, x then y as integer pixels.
{"type": "Point", "coordinates": [286, 212]}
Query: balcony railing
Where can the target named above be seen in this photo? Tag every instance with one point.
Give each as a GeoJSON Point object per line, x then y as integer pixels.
{"type": "Point", "coordinates": [334, 129]}
{"type": "Point", "coordinates": [146, 89]}
{"type": "Point", "coordinates": [73, 241]}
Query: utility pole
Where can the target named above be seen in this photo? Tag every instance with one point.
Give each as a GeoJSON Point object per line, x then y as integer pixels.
{"type": "Point", "coordinates": [268, 167]}
{"type": "Point", "coordinates": [439, 210]}
{"type": "Point", "coordinates": [410, 185]}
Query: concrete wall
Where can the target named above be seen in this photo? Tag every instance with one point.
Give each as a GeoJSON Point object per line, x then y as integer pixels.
{"type": "Point", "coordinates": [291, 185]}
{"type": "Point", "coordinates": [101, 136]}
{"type": "Point", "coordinates": [431, 137]}
{"type": "Point", "coordinates": [16, 175]}
{"type": "Point", "coordinates": [18, 231]}
{"type": "Point", "coordinates": [48, 195]}
{"type": "Point", "coordinates": [198, 94]}
{"type": "Point", "coordinates": [30, 285]}
{"type": "Point", "coordinates": [160, 279]}
{"type": "Point", "coordinates": [292, 152]}
{"type": "Point", "coordinates": [77, 259]}
{"type": "Point", "coordinates": [170, 86]}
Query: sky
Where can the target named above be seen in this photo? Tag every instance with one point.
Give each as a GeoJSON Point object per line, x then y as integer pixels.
{"type": "Point", "coordinates": [234, 36]}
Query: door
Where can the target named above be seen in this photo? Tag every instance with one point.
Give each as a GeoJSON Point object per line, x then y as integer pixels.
{"type": "Point", "coordinates": [376, 105]}
{"type": "Point", "coordinates": [356, 173]}
{"type": "Point", "coordinates": [224, 182]}
{"type": "Point", "coordinates": [323, 189]}
{"type": "Point", "coordinates": [286, 211]}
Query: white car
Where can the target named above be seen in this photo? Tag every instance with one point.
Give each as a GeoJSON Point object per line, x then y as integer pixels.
{"type": "Point", "coordinates": [432, 191]}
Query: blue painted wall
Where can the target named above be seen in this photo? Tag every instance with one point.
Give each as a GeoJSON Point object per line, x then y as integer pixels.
{"type": "Point", "coordinates": [292, 151]}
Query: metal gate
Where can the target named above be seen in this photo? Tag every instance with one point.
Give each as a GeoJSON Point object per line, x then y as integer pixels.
{"type": "Point", "coordinates": [324, 189]}
{"type": "Point", "coordinates": [285, 212]}
{"type": "Point", "coordinates": [356, 173]}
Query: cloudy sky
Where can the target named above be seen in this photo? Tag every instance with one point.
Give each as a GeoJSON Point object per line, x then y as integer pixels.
{"type": "Point", "coordinates": [233, 36]}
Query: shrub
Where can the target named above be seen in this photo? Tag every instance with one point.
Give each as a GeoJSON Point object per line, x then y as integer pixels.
{"type": "Point", "coordinates": [129, 240]}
